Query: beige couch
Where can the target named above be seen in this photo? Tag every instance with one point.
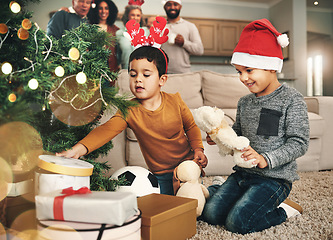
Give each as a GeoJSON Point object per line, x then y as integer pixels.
{"type": "Point", "coordinates": [223, 91]}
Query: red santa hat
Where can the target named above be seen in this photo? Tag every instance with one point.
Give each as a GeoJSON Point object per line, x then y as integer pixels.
{"type": "Point", "coordinates": [259, 46]}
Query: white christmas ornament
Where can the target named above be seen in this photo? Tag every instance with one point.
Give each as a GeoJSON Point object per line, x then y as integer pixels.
{"type": "Point", "coordinates": [15, 7]}
{"type": "Point", "coordinates": [141, 181]}
{"type": "Point", "coordinates": [59, 71]}
{"type": "Point", "coordinates": [81, 77]}
{"type": "Point", "coordinates": [33, 84]}
{"type": "Point", "coordinates": [6, 68]}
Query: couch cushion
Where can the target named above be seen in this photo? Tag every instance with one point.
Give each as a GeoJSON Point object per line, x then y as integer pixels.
{"type": "Point", "coordinates": [229, 84]}
{"type": "Point", "coordinates": [317, 125]}
{"type": "Point", "coordinates": [189, 87]}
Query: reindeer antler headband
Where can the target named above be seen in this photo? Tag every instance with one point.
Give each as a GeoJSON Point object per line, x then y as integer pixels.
{"type": "Point", "coordinates": [158, 35]}
{"type": "Point", "coordinates": [156, 38]}
{"type": "Point", "coordinates": [136, 2]}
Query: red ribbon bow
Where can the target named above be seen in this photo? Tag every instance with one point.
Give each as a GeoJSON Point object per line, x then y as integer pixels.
{"type": "Point", "coordinates": [58, 203]}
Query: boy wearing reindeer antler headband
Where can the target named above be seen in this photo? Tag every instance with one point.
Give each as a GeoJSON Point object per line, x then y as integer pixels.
{"type": "Point", "coordinates": [162, 123]}
{"type": "Point", "coordinates": [274, 118]}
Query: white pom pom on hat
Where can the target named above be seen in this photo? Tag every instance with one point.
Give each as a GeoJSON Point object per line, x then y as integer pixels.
{"type": "Point", "coordinates": [177, 1]}
{"type": "Point", "coordinates": [259, 46]}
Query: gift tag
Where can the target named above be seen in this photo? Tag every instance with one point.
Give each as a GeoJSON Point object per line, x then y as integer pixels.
{"type": "Point", "coordinates": [66, 166]}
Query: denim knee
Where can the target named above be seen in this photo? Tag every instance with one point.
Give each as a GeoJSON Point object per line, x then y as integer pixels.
{"type": "Point", "coordinates": [209, 215]}
{"type": "Point", "coordinates": [234, 223]}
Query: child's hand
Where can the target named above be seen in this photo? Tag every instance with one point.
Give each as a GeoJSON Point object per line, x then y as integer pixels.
{"type": "Point", "coordinates": [209, 140]}
{"type": "Point", "coordinates": [76, 151]}
{"type": "Point", "coordinates": [201, 157]}
{"type": "Point", "coordinates": [249, 154]}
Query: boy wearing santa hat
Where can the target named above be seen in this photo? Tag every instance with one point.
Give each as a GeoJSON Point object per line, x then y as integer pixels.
{"type": "Point", "coordinates": [274, 118]}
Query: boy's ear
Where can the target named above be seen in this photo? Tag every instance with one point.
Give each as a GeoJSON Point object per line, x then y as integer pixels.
{"type": "Point", "coordinates": [163, 79]}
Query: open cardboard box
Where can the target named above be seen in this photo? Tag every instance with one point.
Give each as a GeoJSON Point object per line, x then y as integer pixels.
{"type": "Point", "coordinates": [166, 217]}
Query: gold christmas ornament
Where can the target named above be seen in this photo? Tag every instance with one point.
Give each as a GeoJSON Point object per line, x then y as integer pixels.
{"type": "Point", "coordinates": [74, 54]}
{"type": "Point", "coordinates": [22, 34]}
{"type": "Point", "coordinates": [12, 97]}
{"type": "Point", "coordinates": [3, 28]}
{"type": "Point", "coordinates": [59, 71]}
{"type": "Point", "coordinates": [14, 7]}
{"type": "Point", "coordinates": [26, 24]}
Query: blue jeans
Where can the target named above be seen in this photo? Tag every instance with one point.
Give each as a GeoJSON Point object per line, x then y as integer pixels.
{"type": "Point", "coordinates": [165, 182]}
{"type": "Point", "coordinates": [247, 203]}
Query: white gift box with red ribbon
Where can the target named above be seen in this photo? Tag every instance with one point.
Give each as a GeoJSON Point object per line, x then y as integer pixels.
{"type": "Point", "coordinates": [87, 206]}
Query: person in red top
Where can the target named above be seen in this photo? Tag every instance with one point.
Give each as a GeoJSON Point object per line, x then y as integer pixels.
{"type": "Point", "coordinates": [162, 123]}
{"type": "Point", "coordinates": [104, 15]}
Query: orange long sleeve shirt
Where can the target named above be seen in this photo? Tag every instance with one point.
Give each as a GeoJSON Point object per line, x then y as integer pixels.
{"type": "Point", "coordinates": [166, 136]}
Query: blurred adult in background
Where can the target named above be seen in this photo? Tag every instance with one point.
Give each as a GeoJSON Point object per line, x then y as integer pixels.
{"type": "Point", "coordinates": [124, 44]}
{"type": "Point", "coordinates": [184, 39]}
{"type": "Point", "coordinates": [63, 20]}
{"type": "Point", "coordinates": [149, 21]}
{"type": "Point", "coordinates": [104, 15]}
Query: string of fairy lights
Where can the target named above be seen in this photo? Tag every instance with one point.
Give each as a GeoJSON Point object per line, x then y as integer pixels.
{"type": "Point", "coordinates": [59, 71]}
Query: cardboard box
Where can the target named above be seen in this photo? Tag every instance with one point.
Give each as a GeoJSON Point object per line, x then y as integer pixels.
{"type": "Point", "coordinates": [167, 217]}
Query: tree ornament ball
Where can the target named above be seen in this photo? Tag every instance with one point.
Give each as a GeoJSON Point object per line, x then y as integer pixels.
{"type": "Point", "coordinates": [33, 84]}
{"type": "Point", "coordinates": [12, 97]}
{"type": "Point", "coordinates": [14, 7]}
{"type": "Point", "coordinates": [26, 24]}
{"type": "Point", "coordinates": [59, 71]}
{"type": "Point", "coordinates": [74, 54]}
{"type": "Point", "coordinates": [22, 34]}
{"type": "Point", "coordinates": [6, 68]}
{"type": "Point", "coordinates": [3, 28]}
{"type": "Point", "coordinates": [81, 77]}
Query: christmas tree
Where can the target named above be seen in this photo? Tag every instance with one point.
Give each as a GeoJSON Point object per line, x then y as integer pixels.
{"type": "Point", "coordinates": [52, 92]}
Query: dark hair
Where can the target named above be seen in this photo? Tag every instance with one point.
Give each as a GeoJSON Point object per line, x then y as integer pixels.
{"type": "Point", "coordinates": [152, 54]}
{"type": "Point", "coordinates": [129, 8]}
{"type": "Point", "coordinates": [113, 13]}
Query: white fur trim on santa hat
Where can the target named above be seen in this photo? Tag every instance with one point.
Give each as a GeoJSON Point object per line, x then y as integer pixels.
{"type": "Point", "coordinates": [177, 1]}
{"type": "Point", "coordinates": [257, 61]}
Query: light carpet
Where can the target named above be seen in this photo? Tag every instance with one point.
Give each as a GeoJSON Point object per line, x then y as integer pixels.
{"type": "Point", "coordinates": [314, 192]}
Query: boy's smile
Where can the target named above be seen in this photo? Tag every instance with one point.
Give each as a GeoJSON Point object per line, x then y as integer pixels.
{"type": "Point", "coordinates": [259, 81]}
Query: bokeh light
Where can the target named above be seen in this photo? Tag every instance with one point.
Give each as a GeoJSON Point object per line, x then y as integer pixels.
{"type": "Point", "coordinates": [26, 24]}
{"type": "Point", "coordinates": [20, 146]}
{"type": "Point", "coordinates": [3, 28]}
{"type": "Point", "coordinates": [6, 178]}
{"type": "Point", "coordinates": [70, 107]}
{"type": "Point", "coordinates": [81, 78]}
{"type": "Point", "coordinates": [54, 230]}
{"type": "Point", "coordinates": [59, 71]}
{"type": "Point", "coordinates": [6, 68]}
{"type": "Point", "coordinates": [74, 54]}
{"type": "Point", "coordinates": [12, 97]}
{"type": "Point", "coordinates": [25, 221]}
{"type": "Point", "coordinates": [33, 84]}
{"type": "Point", "coordinates": [23, 34]}
{"type": "Point", "coordinates": [2, 232]}
{"type": "Point", "coordinates": [14, 7]}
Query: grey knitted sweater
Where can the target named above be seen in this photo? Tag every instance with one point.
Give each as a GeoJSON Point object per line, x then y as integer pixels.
{"type": "Point", "coordinates": [277, 126]}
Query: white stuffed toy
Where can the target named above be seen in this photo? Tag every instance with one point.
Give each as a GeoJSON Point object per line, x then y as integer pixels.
{"type": "Point", "coordinates": [211, 120]}
{"type": "Point", "coordinates": [188, 172]}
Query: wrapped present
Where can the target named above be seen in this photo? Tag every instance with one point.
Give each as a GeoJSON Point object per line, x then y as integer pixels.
{"type": "Point", "coordinates": [130, 230]}
{"type": "Point", "coordinates": [167, 217]}
{"type": "Point", "coordinates": [57, 173]}
{"type": "Point", "coordinates": [85, 206]}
